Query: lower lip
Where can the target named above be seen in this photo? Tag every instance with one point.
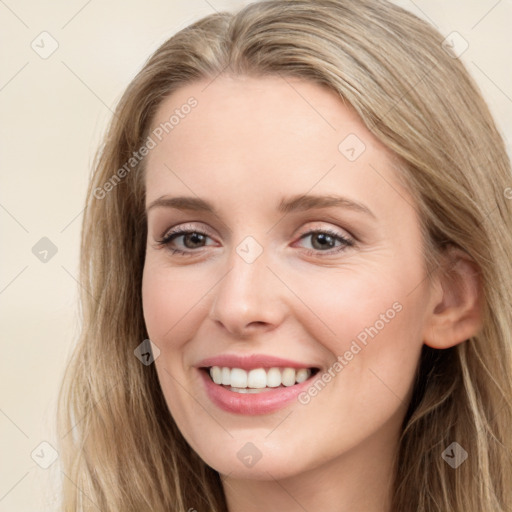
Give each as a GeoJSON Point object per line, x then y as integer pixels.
{"type": "Point", "coordinates": [251, 403]}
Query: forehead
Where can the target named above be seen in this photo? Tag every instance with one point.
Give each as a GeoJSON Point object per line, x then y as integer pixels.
{"type": "Point", "coordinates": [243, 109]}
{"type": "Point", "coordinates": [266, 136]}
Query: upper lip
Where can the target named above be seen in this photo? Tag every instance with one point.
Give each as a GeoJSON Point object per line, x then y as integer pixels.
{"type": "Point", "coordinates": [250, 362]}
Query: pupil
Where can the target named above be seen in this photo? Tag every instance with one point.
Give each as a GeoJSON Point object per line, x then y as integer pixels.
{"type": "Point", "coordinates": [195, 239]}
{"type": "Point", "coordinates": [324, 240]}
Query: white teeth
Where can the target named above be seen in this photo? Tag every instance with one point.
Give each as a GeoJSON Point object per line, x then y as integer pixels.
{"type": "Point", "coordinates": [288, 377]}
{"type": "Point", "coordinates": [238, 378]}
{"type": "Point", "coordinates": [226, 376]}
{"type": "Point", "coordinates": [302, 375]}
{"type": "Point", "coordinates": [256, 379]}
{"type": "Point", "coordinates": [216, 374]}
{"type": "Point", "coordinates": [248, 390]}
{"type": "Point", "coordinates": [273, 378]}
{"type": "Point", "coordinates": [259, 378]}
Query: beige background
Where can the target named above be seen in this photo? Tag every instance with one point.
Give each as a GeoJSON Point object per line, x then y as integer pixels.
{"type": "Point", "coordinates": [53, 112]}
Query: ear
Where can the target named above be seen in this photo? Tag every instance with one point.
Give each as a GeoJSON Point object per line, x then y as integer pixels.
{"type": "Point", "coordinates": [455, 310]}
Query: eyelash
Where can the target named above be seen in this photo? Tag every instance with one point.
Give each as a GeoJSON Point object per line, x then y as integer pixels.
{"type": "Point", "coordinates": [169, 237]}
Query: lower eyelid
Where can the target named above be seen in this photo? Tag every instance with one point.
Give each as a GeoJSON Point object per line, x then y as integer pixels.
{"type": "Point", "coordinates": [170, 236]}
{"type": "Point", "coordinates": [333, 251]}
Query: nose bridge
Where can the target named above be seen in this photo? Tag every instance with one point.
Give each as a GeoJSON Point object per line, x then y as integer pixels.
{"type": "Point", "coordinates": [248, 294]}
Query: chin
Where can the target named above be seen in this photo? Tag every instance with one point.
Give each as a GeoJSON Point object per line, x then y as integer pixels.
{"type": "Point", "coordinates": [253, 460]}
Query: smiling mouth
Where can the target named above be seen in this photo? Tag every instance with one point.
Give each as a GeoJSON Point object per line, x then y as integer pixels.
{"type": "Point", "coordinates": [258, 380]}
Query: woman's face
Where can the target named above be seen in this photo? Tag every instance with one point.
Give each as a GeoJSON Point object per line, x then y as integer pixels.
{"type": "Point", "coordinates": [302, 251]}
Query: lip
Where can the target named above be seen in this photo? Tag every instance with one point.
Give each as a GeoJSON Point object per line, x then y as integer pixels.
{"type": "Point", "coordinates": [251, 362]}
{"type": "Point", "coordinates": [264, 402]}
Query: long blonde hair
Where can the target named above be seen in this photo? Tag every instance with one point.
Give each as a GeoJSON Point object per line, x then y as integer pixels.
{"type": "Point", "coordinates": [120, 448]}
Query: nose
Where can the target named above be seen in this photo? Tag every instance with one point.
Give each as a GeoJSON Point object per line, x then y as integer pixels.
{"type": "Point", "coordinates": [249, 299]}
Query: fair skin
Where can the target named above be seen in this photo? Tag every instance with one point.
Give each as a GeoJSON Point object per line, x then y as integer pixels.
{"type": "Point", "coordinates": [249, 144]}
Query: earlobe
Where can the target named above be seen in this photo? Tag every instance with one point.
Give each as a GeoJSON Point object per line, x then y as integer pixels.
{"type": "Point", "coordinates": [455, 312]}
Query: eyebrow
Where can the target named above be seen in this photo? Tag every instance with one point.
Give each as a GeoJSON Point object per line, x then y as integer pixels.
{"type": "Point", "coordinates": [292, 204]}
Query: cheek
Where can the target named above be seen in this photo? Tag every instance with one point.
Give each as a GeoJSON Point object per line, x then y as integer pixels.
{"type": "Point", "coordinates": [171, 306]}
{"type": "Point", "coordinates": [371, 323]}
{"type": "Point", "coordinates": [171, 300]}
{"type": "Point", "coordinates": [349, 301]}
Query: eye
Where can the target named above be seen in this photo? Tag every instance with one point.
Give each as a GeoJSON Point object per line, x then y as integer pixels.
{"type": "Point", "coordinates": [326, 240]}
{"type": "Point", "coordinates": [187, 239]}
{"type": "Point", "coordinates": [187, 242]}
